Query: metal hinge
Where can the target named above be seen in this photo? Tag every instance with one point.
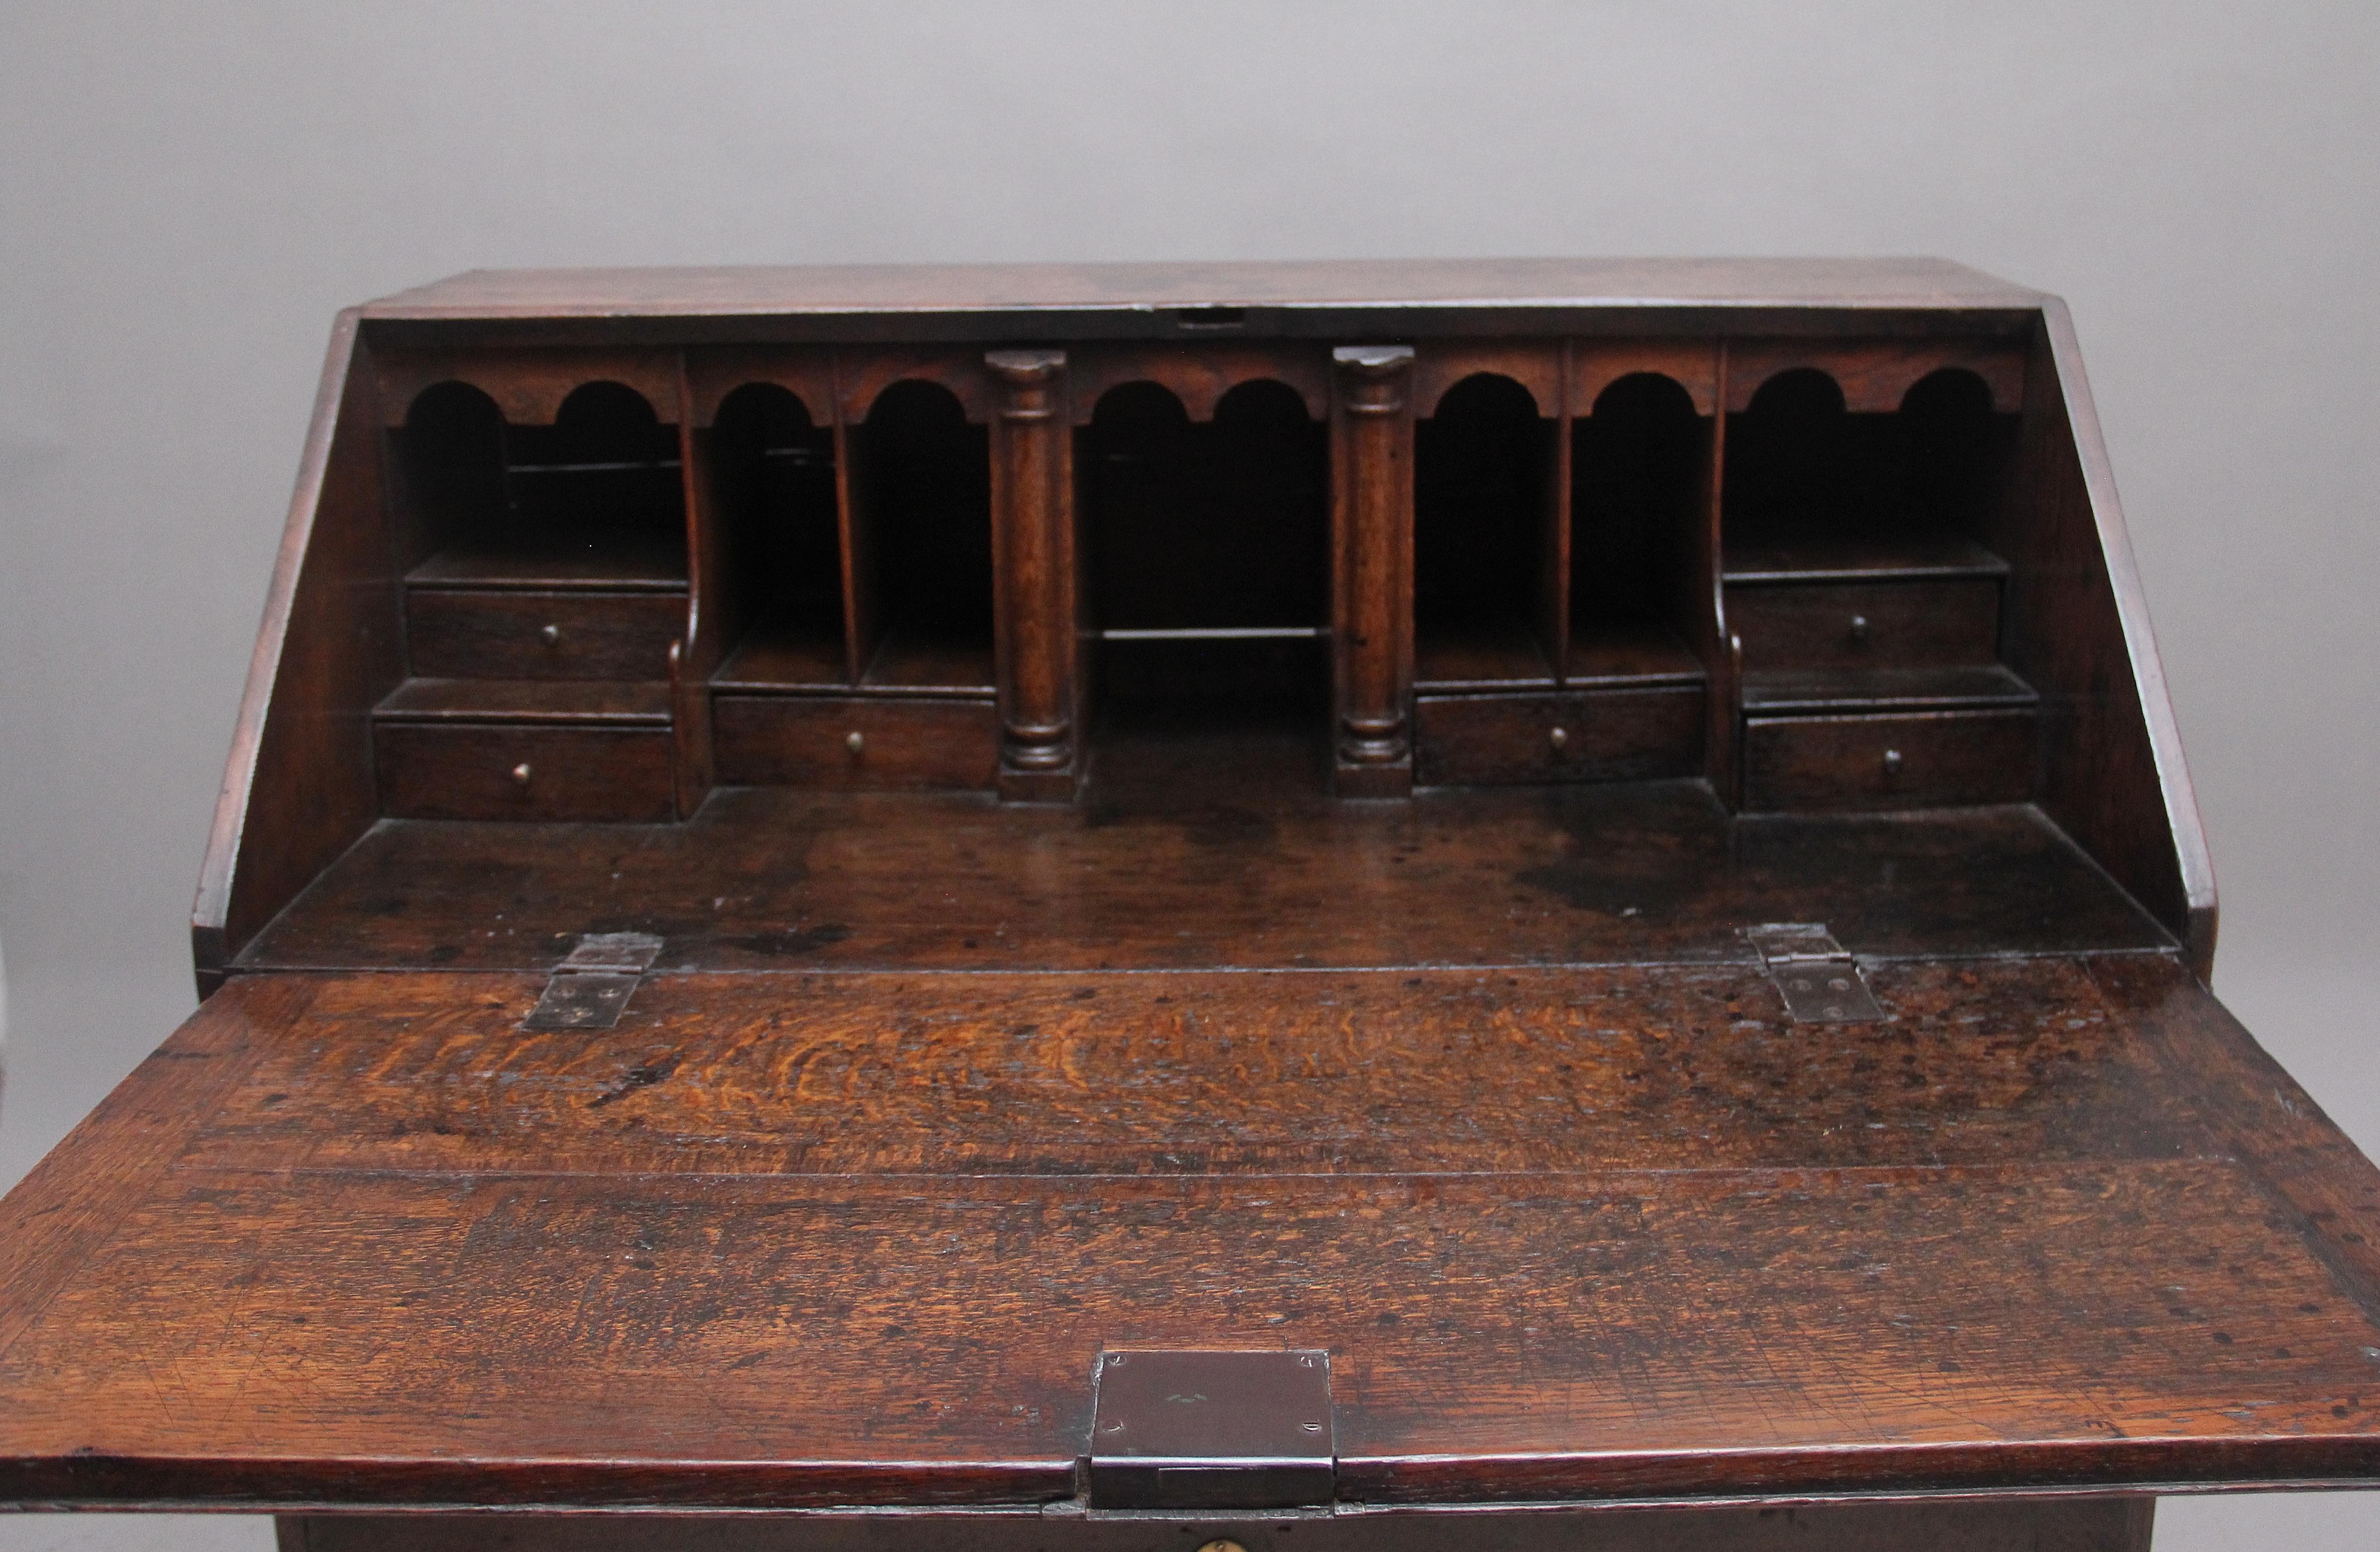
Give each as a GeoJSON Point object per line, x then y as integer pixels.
{"type": "Point", "coordinates": [591, 988]}
{"type": "Point", "coordinates": [1213, 1431]}
{"type": "Point", "coordinates": [1820, 981]}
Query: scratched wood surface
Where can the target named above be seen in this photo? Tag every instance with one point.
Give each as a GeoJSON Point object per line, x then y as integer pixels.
{"type": "Point", "coordinates": [794, 1240]}
{"type": "Point", "coordinates": [1217, 854]}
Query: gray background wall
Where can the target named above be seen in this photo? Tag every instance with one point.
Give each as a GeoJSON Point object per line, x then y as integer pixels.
{"type": "Point", "coordinates": [188, 192]}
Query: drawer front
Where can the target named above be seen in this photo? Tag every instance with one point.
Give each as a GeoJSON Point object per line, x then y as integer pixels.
{"type": "Point", "coordinates": [1608, 734]}
{"type": "Point", "coordinates": [1866, 625]}
{"type": "Point", "coordinates": [524, 772]}
{"type": "Point", "coordinates": [1925, 760]}
{"type": "Point", "coordinates": [836, 741]}
{"type": "Point", "coordinates": [452, 634]}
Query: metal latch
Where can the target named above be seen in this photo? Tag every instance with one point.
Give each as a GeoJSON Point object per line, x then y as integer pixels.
{"type": "Point", "coordinates": [1820, 981]}
{"type": "Point", "coordinates": [590, 987]}
{"type": "Point", "coordinates": [1213, 1430]}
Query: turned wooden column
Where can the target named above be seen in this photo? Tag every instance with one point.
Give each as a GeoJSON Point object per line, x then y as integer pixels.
{"type": "Point", "coordinates": [1032, 507]}
{"type": "Point", "coordinates": [1371, 593]}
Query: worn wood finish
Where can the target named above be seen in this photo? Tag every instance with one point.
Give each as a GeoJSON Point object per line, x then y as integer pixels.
{"type": "Point", "coordinates": [929, 1097]}
{"type": "Point", "coordinates": [810, 741]}
{"type": "Point", "coordinates": [1371, 596]}
{"type": "Point", "coordinates": [1897, 625]}
{"type": "Point", "coordinates": [2038, 1525]}
{"type": "Point", "coordinates": [1889, 760]}
{"type": "Point", "coordinates": [1999, 1241]}
{"type": "Point", "coordinates": [516, 770]}
{"type": "Point", "coordinates": [1256, 868]}
{"type": "Point", "coordinates": [1610, 735]}
{"type": "Point", "coordinates": [298, 787]}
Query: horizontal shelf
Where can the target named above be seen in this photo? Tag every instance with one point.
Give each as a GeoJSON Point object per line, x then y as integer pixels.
{"type": "Point", "coordinates": [613, 561]}
{"type": "Point", "coordinates": [1499, 654]}
{"type": "Point", "coordinates": [1629, 653]}
{"type": "Point", "coordinates": [916, 663]}
{"type": "Point", "coordinates": [1810, 556]}
{"type": "Point", "coordinates": [1864, 690]}
{"type": "Point", "coordinates": [774, 658]}
{"type": "Point", "coordinates": [602, 703]}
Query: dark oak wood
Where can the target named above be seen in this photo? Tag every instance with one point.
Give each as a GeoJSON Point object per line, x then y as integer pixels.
{"type": "Point", "coordinates": [2036, 1525]}
{"type": "Point", "coordinates": [1997, 1241]}
{"type": "Point", "coordinates": [516, 770]}
{"type": "Point", "coordinates": [299, 786]}
{"type": "Point", "coordinates": [846, 741]}
{"type": "Point", "coordinates": [453, 634]}
{"type": "Point", "coordinates": [1609, 735]}
{"type": "Point", "coordinates": [1226, 1037]}
{"type": "Point", "coordinates": [1866, 625]}
{"type": "Point", "coordinates": [1371, 608]}
{"type": "Point", "coordinates": [1894, 760]}
{"type": "Point", "coordinates": [1188, 852]}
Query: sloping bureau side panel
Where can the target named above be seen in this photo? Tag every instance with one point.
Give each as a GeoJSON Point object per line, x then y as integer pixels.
{"type": "Point", "coordinates": [330, 647]}
{"type": "Point", "coordinates": [2078, 630]}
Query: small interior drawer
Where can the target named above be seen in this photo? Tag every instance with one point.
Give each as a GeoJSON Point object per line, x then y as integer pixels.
{"type": "Point", "coordinates": [461, 633]}
{"type": "Point", "coordinates": [1922, 760]}
{"type": "Point", "coordinates": [1866, 625]}
{"type": "Point", "coordinates": [792, 740]}
{"type": "Point", "coordinates": [1610, 735]}
{"type": "Point", "coordinates": [490, 772]}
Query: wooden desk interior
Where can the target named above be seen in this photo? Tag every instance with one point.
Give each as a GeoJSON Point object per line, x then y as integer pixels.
{"type": "Point", "coordinates": [1137, 861]}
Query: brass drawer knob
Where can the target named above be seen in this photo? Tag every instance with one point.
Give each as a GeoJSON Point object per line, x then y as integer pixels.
{"type": "Point", "coordinates": [1859, 630]}
{"type": "Point", "coordinates": [521, 773]}
{"type": "Point", "coordinates": [1891, 765]}
{"type": "Point", "coordinates": [551, 635]}
{"type": "Point", "coordinates": [1559, 739]}
{"type": "Point", "coordinates": [855, 742]}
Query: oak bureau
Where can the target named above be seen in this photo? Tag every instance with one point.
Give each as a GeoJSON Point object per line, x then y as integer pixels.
{"type": "Point", "coordinates": [1378, 906]}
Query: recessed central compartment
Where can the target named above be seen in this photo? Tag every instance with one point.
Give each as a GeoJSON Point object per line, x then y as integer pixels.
{"type": "Point", "coordinates": [1206, 575]}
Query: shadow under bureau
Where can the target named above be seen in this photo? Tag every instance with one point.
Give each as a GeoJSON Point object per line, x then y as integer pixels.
{"type": "Point", "coordinates": [1541, 904]}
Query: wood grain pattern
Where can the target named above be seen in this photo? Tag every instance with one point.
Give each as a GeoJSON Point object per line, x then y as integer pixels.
{"type": "Point", "coordinates": [747, 1260]}
{"type": "Point", "coordinates": [1253, 871]}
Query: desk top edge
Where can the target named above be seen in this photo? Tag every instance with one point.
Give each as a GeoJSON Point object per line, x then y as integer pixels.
{"type": "Point", "coordinates": [713, 291]}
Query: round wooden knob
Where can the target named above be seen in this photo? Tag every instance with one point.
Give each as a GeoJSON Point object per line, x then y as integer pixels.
{"type": "Point", "coordinates": [1891, 763]}
{"type": "Point", "coordinates": [551, 635]}
{"type": "Point", "coordinates": [855, 742]}
{"type": "Point", "coordinates": [1859, 630]}
{"type": "Point", "coordinates": [521, 773]}
{"type": "Point", "coordinates": [1559, 739]}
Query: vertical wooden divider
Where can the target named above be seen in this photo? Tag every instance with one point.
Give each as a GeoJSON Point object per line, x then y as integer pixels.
{"type": "Point", "coordinates": [1725, 666]}
{"type": "Point", "coordinates": [1555, 602]}
{"type": "Point", "coordinates": [859, 634]}
{"type": "Point", "coordinates": [696, 656]}
{"type": "Point", "coordinates": [1035, 641]}
{"type": "Point", "coordinates": [1371, 595]}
